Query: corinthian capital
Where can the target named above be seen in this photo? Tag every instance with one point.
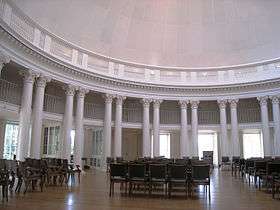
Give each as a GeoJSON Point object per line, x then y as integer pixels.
{"type": "Point", "coordinates": [69, 90]}
{"type": "Point", "coordinates": [183, 104]}
{"type": "Point", "coordinates": [274, 99]}
{"type": "Point", "coordinates": [263, 100]}
{"type": "Point", "coordinates": [146, 102]}
{"type": "Point", "coordinates": [194, 104]}
{"type": "Point", "coordinates": [233, 103]}
{"type": "Point", "coordinates": [82, 92]}
{"type": "Point", "coordinates": [120, 99]}
{"type": "Point", "coordinates": [222, 103]}
{"type": "Point", "coordinates": [157, 102]}
{"type": "Point", "coordinates": [28, 76]}
{"type": "Point", "coordinates": [42, 81]}
{"type": "Point", "coordinates": [108, 98]}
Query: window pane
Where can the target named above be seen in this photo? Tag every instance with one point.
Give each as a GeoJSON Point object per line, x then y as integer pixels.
{"type": "Point", "coordinates": [164, 145]}
{"type": "Point", "coordinates": [72, 141]}
{"type": "Point", "coordinates": [252, 145]}
{"type": "Point", "coordinates": [10, 141]}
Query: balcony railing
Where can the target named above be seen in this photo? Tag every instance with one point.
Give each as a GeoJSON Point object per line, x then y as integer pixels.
{"type": "Point", "coordinates": [94, 111]}
{"type": "Point", "coordinates": [10, 92]}
{"type": "Point", "coordinates": [54, 104]}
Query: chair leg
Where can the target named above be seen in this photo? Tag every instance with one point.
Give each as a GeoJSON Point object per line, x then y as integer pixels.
{"type": "Point", "coordinates": [169, 189]}
{"type": "Point", "coordinates": [26, 186]}
{"type": "Point", "coordinates": [209, 193]}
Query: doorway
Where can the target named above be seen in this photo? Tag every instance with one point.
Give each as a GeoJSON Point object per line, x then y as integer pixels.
{"type": "Point", "coordinates": [207, 141]}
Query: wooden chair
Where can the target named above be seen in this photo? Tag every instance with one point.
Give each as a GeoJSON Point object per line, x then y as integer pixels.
{"type": "Point", "coordinates": [201, 176]}
{"type": "Point", "coordinates": [177, 176]}
{"type": "Point", "coordinates": [118, 174]}
{"type": "Point", "coordinates": [137, 176]}
{"type": "Point", "coordinates": [158, 175]}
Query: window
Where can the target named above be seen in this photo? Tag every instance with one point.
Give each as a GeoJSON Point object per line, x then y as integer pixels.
{"type": "Point", "coordinates": [97, 142]}
{"type": "Point", "coordinates": [51, 140]}
{"type": "Point", "coordinates": [252, 144]}
{"type": "Point", "coordinates": [72, 136]}
{"type": "Point", "coordinates": [10, 140]}
{"type": "Point", "coordinates": [164, 145]}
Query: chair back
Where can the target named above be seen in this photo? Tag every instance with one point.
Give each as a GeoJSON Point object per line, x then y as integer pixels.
{"type": "Point", "coordinates": [136, 170]}
{"type": "Point", "coordinates": [177, 171]}
{"type": "Point", "coordinates": [118, 170]}
{"type": "Point", "coordinates": [157, 171]}
{"type": "Point", "coordinates": [273, 167]}
{"type": "Point", "coordinates": [260, 165]}
{"type": "Point", "coordinates": [225, 159]}
{"type": "Point", "coordinates": [119, 159]}
{"type": "Point", "coordinates": [180, 161]}
{"type": "Point", "coordinates": [201, 172]}
{"type": "Point", "coordinates": [235, 159]}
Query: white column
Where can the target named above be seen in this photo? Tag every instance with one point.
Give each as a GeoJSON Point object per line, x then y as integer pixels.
{"type": "Point", "coordinates": [234, 127]}
{"type": "Point", "coordinates": [25, 115]}
{"type": "Point", "coordinates": [67, 122]}
{"type": "Point", "coordinates": [223, 128]}
{"type": "Point", "coordinates": [35, 150]}
{"type": "Point", "coordinates": [107, 125]}
{"type": "Point", "coordinates": [118, 126]}
{"type": "Point", "coordinates": [184, 144]}
{"type": "Point", "coordinates": [265, 125]}
{"type": "Point", "coordinates": [146, 151]}
{"type": "Point", "coordinates": [156, 131]}
{"type": "Point", "coordinates": [79, 126]}
{"type": "Point", "coordinates": [3, 60]}
{"type": "Point", "coordinates": [276, 120]}
{"type": "Point", "coordinates": [194, 107]}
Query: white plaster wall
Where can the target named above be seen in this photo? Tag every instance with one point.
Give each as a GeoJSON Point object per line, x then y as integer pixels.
{"type": "Point", "coordinates": [168, 32]}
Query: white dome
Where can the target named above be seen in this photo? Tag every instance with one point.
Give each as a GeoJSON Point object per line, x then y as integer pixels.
{"type": "Point", "coordinates": [185, 33]}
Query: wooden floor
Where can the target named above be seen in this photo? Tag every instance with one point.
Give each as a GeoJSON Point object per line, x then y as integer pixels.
{"type": "Point", "coordinates": [227, 193]}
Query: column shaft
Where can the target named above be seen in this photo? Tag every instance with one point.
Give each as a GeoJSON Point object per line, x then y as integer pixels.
{"type": "Point", "coordinates": [224, 142]}
{"type": "Point", "coordinates": [265, 126]}
{"type": "Point", "coordinates": [276, 120]}
{"type": "Point", "coordinates": [118, 126]}
{"type": "Point", "coordinates": [107, 126]}
{"type": "Point", "coordinates": [79, 131]}
{"type": "Point", "coordinates": [234, 128]}
{"type": "Point", "coordinates": [156, 131]}
{"type": "Point", "coordinates": [184, 130]}
{"type": "Point", "coordinates": [67, 123]}
{"type": "Point", "coordinates": [36, 135]}
{"type": "Point", "coordinates": [194, 107]}
{"type": "Point", "coordinates": [25, 115]}
{"type": "Point", "coordinates": [146, 151]}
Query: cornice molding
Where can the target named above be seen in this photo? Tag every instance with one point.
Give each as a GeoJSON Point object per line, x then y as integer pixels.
{"type": "Point", "coordinates": [24, 55]}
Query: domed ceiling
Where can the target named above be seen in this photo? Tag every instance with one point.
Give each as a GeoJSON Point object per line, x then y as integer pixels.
{"type": "Point", "coordinates": [185, 33]}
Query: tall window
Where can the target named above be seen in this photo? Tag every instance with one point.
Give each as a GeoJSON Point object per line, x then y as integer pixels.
{"type": "Point", "coordinates": [51, 140]}
{"type": "Point", "coordinates": [10, 140]}
{"type": "Point", "coordinates": [252, 145]}
{"type": "Point", "coordinates": [72, 136]}
{"type": "Point", "coordinates": [164, 145]}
